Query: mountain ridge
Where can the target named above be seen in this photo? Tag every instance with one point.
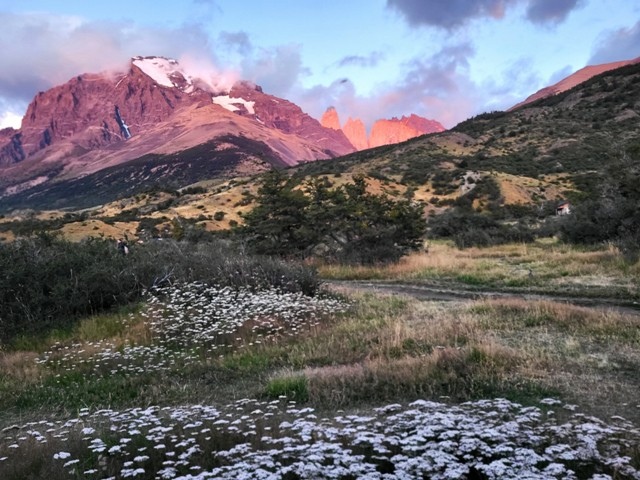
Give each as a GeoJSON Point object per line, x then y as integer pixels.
{"type": "Point", "coordinates": [75, 128]}
{"type": "Point", "coordinates": [554, 148]}
{"type": "Point", "coordinates": [576, 78]}
{"type": "Point", "coordinates": [383, 131]}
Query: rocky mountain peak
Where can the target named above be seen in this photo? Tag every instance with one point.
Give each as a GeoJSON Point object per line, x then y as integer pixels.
{"type": "Point", "coordinates": [330, 119]}
{"type": "Point", "coordinates": [94, 121]}
{"type": "Point", "coordinates": [356, 132]}
{"type": "Point", "coordinates": [383, 132]}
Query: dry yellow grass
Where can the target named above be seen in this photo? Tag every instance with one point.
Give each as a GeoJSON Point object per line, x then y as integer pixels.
{"type": "Point", "coordinates": [544, 266]}
{"type": "Point", "coordinates": [20, 366]}
{"type": "Point", "coordinates": [500, 347]}
{"type": "Point", "coordinates": [521, 190]}
{"type": "Point", "coordinates": [77, 231]}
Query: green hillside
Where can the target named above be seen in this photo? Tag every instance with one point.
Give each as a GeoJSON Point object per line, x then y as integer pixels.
{"type": "Point", "coordinates": [515, 166]}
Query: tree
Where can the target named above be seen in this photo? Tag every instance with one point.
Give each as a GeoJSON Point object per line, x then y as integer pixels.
{"type": "Point", "coordinates": [278, 225]}
{"type": "Point", "coordinates": [345, 223]}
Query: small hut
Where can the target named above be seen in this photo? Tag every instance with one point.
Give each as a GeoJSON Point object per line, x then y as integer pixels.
{"type": "Point", "coordinates": [563, 208]}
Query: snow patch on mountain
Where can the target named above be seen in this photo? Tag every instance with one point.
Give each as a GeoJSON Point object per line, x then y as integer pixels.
{"type": "Point", "coordinates": [161, 70]}
{"type": "Point", "coordinates": [230, 103]}
{"type": "Point", "coordinates": [187, 76]}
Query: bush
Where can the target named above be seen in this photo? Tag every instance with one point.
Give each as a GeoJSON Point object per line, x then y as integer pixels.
{"type": "Point", "coordinates": [471, 229]}
{"type": "Point", "coordinates": [48, 283]}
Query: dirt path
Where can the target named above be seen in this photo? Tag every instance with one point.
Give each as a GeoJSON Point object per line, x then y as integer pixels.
{"type": "Point", "coordinates": [428, 292]}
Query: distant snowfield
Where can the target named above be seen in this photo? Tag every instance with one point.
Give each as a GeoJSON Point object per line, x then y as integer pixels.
{"type": "Point", "coordinates": [159, 70]}
{"type": "Point", "coordinates": [230, 103]}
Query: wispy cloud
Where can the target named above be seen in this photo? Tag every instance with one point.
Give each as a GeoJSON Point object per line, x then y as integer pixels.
{"type": "Point", "coordinates": [551, 11]}
{"type": "Point", "coordinates": [277, 70]}
{"type": "Point", "coordinates": [51, 49]}
{"type": "Point", "coordinates": [370, 60]}
{"type": "Point", "coordinates": [621, 44]}
{"type": "Point", "coordinates": [437, 87]}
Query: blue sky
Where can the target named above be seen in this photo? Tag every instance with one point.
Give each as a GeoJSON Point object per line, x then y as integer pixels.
{"type": "Point", "coordinates": [442, 59]}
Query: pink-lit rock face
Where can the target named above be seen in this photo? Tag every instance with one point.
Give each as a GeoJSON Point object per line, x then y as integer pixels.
{"type": "Point", "coordinates": [383, 132]}
{"type": "Point", "coordinates": [386, 132]}
{"type": "Point", "coordinates": [330, 119]}
{"type": "Point", "coordinates": [574, 79]}
{"type": "Point", "coordinates": [356, 132]}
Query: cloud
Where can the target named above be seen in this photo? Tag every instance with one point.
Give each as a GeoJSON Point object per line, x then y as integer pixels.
{"type": "Point", "coordinates": [210, 77]}
{"type": "Point", "coordinates": [452, 14]}
{"type": "Point", "coordinates": [622, 44]}
{"type": "Point", "coordinates": [503, 91]}
{"type": "Point", "coordinates": [436, 87]}
{"type": "Point", "coordinates": [448, 14]}
{"type": "Point", "coordinates": [50, 49]}
{"type": "Point", "coordinates": [54, 48]}
{"type": "Point", "coordinates": [551, 11]}
{"type": "Point", "coordinates": [277, 70]}
{"type": "Point", "coordinates": [10, 119]}
{"type": "Point", "coordinates": [370, 60]}
{"type": "Point", "coordinates": [237, 42]}
{"type": "Point", "coordinates": [561, 74]}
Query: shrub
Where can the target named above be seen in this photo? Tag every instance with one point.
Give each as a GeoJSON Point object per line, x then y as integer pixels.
{"type": "Point", "coordinates": [472, 229]}
{"type": "Point", "coordinates": [612, 214]}
{"type": "Point", "coordinates": [48, 283]}
{"type": "Point", "coordinates": [293, 386]}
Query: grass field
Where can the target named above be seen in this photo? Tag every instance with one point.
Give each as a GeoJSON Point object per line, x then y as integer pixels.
{"type": "Point", "coordinates": [545, 266]}
{"type": "Point", "coordinates": [208, 382]}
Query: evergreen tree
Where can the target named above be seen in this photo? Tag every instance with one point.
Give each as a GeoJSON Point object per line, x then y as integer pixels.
{"type": "Point", "coordinates": [278, 225]}
{"type": "Point", "coordinates": [613, 214]}
{"type": "Point", "coordinates": [346, 223]}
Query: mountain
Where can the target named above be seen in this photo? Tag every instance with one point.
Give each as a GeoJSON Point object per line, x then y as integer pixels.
{"type": "Point", "coordinates": [510, 164]}
{"type": "Point", "coordinates": [574, 79]}
{"type": "Point", "coordinates": [383, 131]}
{"type": "Point", "coordinates": [356, 132]}
{"type": "Point", "coordinates": [156, 108]}
{"type": "Point", "coordinates": [397, 130]}
{"type": "Point", "coordinates": [558, 147]}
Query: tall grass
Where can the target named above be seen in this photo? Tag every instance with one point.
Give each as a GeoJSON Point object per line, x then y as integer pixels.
{"type": "Point", "coordinates": [511, 348]}
{"type": "Point", "coordinates": [383, 349]}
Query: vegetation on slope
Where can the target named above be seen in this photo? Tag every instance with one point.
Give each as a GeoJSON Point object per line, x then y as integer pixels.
{"type": "Point", "coordinates": [48, 283]}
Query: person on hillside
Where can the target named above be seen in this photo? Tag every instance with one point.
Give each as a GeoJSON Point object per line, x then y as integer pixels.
{"type": "Point", "coordinates": [122, 247]}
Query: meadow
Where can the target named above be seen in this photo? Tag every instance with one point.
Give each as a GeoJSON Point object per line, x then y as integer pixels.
{"type": "Point", "coordinates": [544, 266]}
{"type": "Point", "coordinates": [199, 380]}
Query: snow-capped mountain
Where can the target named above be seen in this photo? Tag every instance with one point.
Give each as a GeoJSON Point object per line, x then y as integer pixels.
{"type": "Point", "coordinates": [156, 107]}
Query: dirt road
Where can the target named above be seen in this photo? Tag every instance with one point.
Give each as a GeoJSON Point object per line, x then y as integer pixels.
{"type": "Point", "coordinates": [422, 291]}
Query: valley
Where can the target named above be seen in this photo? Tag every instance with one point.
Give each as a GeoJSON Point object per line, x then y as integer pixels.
{"type": "Point", "coordinates": [294, 306]}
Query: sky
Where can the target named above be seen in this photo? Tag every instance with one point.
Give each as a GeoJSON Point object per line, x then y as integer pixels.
{"type": "Point", "coordinates": [446, 60]}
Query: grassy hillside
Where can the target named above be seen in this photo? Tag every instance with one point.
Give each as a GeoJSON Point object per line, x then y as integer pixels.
{"type": "Point", "coordinates": [558, 148]}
